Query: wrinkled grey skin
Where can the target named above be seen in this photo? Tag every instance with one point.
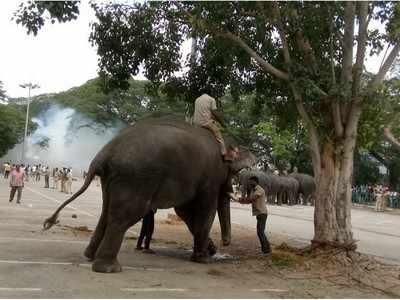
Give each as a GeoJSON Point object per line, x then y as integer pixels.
{"type": "Point", "coordinates": [306, 186]}
{"type": "Point", "coordinates": [159, 164]}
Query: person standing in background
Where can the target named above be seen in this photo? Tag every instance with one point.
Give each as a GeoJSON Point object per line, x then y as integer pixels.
{"type": "Point", "coordinates": [16, 183]}
{"type": "Point", "coordinates": [46, 178]}
{"type": "Point", "coordinates": [69, 181]}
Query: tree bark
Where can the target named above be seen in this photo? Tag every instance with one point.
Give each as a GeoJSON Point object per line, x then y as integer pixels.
{"type": "Point", "coordinates": [332, 212]}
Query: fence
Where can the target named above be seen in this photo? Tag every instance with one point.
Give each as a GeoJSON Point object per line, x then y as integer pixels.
{"type": "Point", "coordinates": [368, 198]}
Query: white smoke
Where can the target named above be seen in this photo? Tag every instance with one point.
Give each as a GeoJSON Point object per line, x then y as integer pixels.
{"type": "Point", "coordinates": [71, 138]}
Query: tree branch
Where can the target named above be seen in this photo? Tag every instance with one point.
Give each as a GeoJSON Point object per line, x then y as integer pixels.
{"type": "Point", "coordinates": [347, 63]}
{"type": "Point", "coordinates": [337, 118]}
{"type": "Point", "coordinates": [314, 137]}
{"type": "Point", "coordinates": [266, 66]}
{"type": "Point", "coordinates": [277, 13]}
{"type": "Point", "coordinates": [387, 133]}
{"type": "Point", "coordinates": [379, 157]}
{"type": "Point", "coordinates": [385, 67]}
{"type": "Point", "coordinates": [304, 45]}
{"type": "Point", "coordinates": [361, 46]}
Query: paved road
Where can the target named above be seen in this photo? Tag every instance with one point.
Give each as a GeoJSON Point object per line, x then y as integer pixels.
{"type": "Point", "coordinates": [377, 233]}
{"type": "Point", "coordinates": [35, 264]}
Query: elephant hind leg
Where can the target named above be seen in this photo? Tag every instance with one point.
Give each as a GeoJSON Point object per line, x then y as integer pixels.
{"type": "Point", "coordinates": [125, 209]}
{"type": "Point", "coordinates": [100, 228]}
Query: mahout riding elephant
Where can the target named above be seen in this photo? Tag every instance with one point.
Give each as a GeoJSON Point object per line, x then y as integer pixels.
{"type": "Point", "coordinates": [159, 164]}
{"type": "Point", "coordinates": [306, 186]}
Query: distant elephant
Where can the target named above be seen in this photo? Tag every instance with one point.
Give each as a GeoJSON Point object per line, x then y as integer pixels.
{"type": "Point", "coordinates": [306, 186]}
{"type": "Point", "coordinates": [159, 164]}
{"type": "Point", "coordinates": [269, 182]}
{"type": "Point", "coordinates": [289, 189]}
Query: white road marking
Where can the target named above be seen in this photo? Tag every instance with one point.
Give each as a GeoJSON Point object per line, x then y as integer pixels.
{"type": "Point", "coordinates": [59, 202]}
{"type": "Point", "coordinates": [153, 290]}
{"type": "Point", "coordinates": [5, 289]}
{"type": "Point", "coordinates": [40, 240]}
{"type": "Point", "coordinates": [269, 290]}
{"type": "Point", "coordinates": [27, 262]}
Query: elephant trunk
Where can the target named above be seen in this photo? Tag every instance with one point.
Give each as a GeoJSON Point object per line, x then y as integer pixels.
{"type": "Point", "coordinates": [224, 216]}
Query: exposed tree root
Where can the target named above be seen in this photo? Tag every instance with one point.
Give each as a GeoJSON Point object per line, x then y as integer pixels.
{"type": "Point", "coordinates": [341, 265]}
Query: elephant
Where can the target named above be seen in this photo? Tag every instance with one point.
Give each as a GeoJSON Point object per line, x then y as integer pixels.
{"type": "Point", "coordinates": [269, 182]}
{"type": "Point", "coordinates": [289, 189]}
{"type": "Point", "coordinates": [306, 186]}
{"type": "Point", "coordinates": [160, 163]}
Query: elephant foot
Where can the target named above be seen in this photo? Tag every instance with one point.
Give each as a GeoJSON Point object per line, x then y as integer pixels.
{"type": "Point", "coordinates": [89, 253]}
{"type": "Point", "coordinates": [212, 249]}
{"type": "Point", "coordinates": [200, 258]}
{"type": "Point", "coordinates": [106, 266]}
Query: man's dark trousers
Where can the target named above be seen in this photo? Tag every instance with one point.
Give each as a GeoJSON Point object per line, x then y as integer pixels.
{"type": "Point", "coordinates": [261, 222]}
{"type": "Point", "coordinates": [147, 230]}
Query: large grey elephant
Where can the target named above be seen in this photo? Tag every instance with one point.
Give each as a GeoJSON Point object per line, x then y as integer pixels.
{"type": "Point", "coordinates": [160, 163]}
{"type": "Point", "coordinates": [306, 186]}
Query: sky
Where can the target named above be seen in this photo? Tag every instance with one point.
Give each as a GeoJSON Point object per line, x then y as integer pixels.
{"type": "Point", "coordinates": [59, 57]}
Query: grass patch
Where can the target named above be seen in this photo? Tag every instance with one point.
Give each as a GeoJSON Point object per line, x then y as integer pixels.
{"type": "Point", "coordinates": [284, 260]}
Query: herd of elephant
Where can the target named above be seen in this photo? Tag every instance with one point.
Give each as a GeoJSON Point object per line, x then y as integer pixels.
{"type": "Point", "coordinates": [296, 188]}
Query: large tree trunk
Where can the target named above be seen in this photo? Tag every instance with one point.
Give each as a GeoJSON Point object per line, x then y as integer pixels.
{"type": "Point", "coordinates": [332, 218]}
{"type": "Point", "coordinates": [332, 215]}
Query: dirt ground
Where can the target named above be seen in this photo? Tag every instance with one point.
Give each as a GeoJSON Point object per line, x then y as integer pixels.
{"type": "Point", "coordinates": [50, 264]}
{"type": "Point", "coordinates": [299, 273]}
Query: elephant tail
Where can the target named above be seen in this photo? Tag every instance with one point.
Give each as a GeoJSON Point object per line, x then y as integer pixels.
{"type": "Point", "coordinates": [49, 222]}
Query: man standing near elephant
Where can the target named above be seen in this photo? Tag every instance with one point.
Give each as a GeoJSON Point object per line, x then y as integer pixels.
{"type": "Point", "coordinates": [146, 232]}
{"type": "Point", "coordinates": [256, 196]}
{"type": "Point", "coordinates": [207, 116]}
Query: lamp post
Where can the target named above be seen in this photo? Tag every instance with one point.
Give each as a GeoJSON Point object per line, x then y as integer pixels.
{"type": "Point", "coordinates": [30, 87]}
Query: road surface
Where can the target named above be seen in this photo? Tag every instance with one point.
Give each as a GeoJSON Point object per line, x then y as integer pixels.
{"type": "Point", "coordinates": [36, 264]}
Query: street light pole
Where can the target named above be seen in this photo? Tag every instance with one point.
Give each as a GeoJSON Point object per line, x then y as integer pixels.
{"type": "Point", "coordinates": [30, 87]}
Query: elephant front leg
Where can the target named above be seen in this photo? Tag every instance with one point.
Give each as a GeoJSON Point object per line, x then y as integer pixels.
{"type": "Point", "coordinates": [186, 214]}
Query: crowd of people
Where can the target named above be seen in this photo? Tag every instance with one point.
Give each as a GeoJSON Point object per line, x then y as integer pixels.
{"type": "Point", "coordinates": [19, 173]}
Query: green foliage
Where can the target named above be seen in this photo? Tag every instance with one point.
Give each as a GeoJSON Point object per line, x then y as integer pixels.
{"type": "Point", "coordinates": [12, 125]}
{"type": "Point", "coordinates": [34, 14]}
{"type": "Point", "coordinates": [127, 106]}
{"type": "Point", "coordinates": [366, 170]}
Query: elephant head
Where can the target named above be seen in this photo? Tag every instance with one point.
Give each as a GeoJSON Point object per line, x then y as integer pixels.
{"type": "Point", "coordinates": [244, 159]}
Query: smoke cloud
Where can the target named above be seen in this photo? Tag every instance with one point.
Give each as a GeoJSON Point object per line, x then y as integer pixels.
{"type": "Point", "coordinates": [64, 138]}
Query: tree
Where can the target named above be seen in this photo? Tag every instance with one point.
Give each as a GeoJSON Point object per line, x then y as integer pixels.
{"type": "Point", "coordinates": [12, 125]}
{"type": "Point", "coordinates": [297, 53]}
{"type": "Point", "coordinates": [375, 123]}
